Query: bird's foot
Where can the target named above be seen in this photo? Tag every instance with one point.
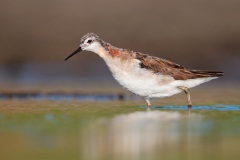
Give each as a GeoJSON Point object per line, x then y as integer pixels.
{"type": "Point", "coordinates": [189, 108]}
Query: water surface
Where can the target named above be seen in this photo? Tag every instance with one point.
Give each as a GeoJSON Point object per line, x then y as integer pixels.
{"type": "Point", "coordinates": [74, 130]}
{"type": "Point", "coordinates": [217, 107]}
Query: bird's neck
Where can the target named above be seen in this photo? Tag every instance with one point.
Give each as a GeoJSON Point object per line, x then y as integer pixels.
{"type": "Point", "coordinates": [106, 51]}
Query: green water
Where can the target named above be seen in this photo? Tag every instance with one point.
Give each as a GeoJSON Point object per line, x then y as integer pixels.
{"type": "Point", "coordinates": [63, 130]}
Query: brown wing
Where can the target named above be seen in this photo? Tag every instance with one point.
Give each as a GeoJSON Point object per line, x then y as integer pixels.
{"type": "Point", "coordinates": [162, 66]}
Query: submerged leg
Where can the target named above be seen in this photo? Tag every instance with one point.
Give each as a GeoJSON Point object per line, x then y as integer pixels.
{"type": "Point", "coordinates": [185, 89]}
{"type": "Point", "coordinates": [148, 103]}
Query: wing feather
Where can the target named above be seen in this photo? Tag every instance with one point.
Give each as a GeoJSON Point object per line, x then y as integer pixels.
{"type": "Point", "coordinates": [165, 67]}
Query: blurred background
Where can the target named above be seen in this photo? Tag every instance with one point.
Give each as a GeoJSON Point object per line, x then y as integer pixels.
{"type": "Point", "coordinates": [36, 36]}
{"type": "Point", "coordinates": [56, 109]}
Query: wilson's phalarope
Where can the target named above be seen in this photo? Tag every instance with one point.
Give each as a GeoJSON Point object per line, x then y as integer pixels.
{"type": "Point", "coordinates": [145, 75]}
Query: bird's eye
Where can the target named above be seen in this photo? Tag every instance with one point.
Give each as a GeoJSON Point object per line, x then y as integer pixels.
{"type": "Point", "coordinates": [89, 41]}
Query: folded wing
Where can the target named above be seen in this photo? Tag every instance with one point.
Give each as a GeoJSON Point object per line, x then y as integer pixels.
{"type": "Point", "coordinates": [165, 67]}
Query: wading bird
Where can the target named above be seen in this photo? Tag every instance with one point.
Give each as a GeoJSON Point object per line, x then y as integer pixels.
{"type": "Point", "coordinates": [145, 75]}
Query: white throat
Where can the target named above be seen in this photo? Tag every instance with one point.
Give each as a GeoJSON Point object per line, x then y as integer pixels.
{"type": "Point", "coordinates": [94, 47]}
{"type": "Point", "coordinates": [97, 48]}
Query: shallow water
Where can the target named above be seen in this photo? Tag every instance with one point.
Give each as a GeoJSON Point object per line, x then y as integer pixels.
{"type": "Point", "coordinates": [218, 107]}
{"type": "Point", "coordinates": [63, 130]}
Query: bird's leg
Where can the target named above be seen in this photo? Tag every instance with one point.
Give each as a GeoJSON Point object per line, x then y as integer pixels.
{"type": "Point", "coordinates": [148, 103]}
{"type": "Point", "coordinates": [185, 89]}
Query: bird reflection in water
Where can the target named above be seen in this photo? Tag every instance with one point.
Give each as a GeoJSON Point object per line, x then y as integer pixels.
{"type": "Point", "coordinates": [138, 134]}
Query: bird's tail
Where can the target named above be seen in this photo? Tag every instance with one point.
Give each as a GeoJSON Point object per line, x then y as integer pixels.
{"type": "Point", "coordinates": [208, 73]}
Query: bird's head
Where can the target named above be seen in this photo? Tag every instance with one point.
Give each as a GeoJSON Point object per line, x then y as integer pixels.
{"type": "Point", "coordinates": [89, 42]}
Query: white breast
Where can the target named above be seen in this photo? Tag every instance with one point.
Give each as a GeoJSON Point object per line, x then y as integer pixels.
{"type": "Point", "coordinates": [137, 80]}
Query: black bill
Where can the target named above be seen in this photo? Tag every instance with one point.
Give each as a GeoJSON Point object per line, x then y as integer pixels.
{"type": "Point", "coordinates": [75, 52]}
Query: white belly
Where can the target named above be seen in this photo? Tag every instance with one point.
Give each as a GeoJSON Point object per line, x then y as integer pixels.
{"type": "Point", "coordinates": [144, 83]}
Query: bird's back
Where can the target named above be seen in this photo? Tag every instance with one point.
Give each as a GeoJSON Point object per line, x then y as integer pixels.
{"type": "Point", "coordinates": [165, 67]}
